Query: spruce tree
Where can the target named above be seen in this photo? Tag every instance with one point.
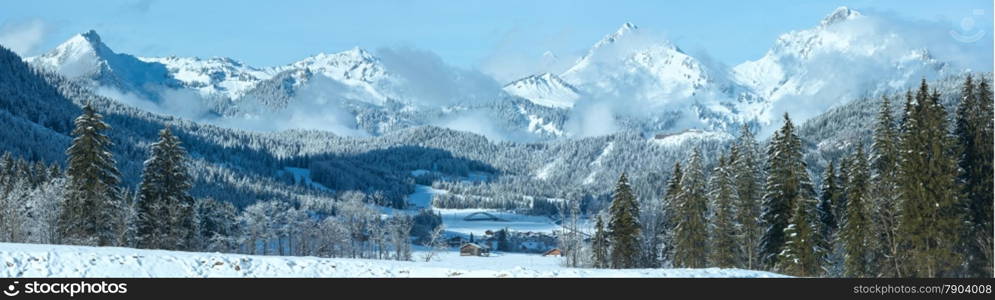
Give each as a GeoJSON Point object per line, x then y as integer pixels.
{"type": "Point", "coordinates": [670, 211]}
{"type": "Point", "coordinates": [165, 207]}
{"type": "Point", "coordinates": [748, 176]}
{"type": "Point", "coordinates": [931, 221]}
{"type": "Point", "coordinates": [624, 228]}
{"type": "Point", "coordinates": [799, 256]}
{"type": "Point", "coordinates": [92, 205]}
{"type": "Point", "coordinates": [884, 194]}
{"type": "Point", "coordinates": [787, 180]}
{"type": "Point", "coordinates": [855, 233]}
{"type": "Point", "coordinates": [842, 181]}
{"type": "Point", "coordinates": [691, 231]}
{"type": "Point", "coordinates": [829, 194]}
{"type": "Point", "coordinates": [974, 137]}
{"type": "Point", "coordinates": [725, 244]}
{"type": "Point", "coordinates": [600, 244]}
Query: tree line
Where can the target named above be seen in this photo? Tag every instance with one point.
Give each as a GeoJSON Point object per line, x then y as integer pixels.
{"type": "Point", "coordinates": [917, 203]}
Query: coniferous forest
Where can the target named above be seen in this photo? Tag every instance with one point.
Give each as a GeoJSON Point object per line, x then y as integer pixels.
{"type": "Point", "coordinates": [916, 203]}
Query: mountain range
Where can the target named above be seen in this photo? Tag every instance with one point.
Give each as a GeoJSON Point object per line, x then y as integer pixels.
{"type": "Point", "coordinates": [629, 79]}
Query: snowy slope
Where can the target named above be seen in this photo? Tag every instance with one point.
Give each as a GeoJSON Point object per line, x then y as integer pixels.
{"type": "Point", "coordinates": [219, 76]}
{"type": "Point", "coordinates": [26, 260]}
{"type": "Point", "coordinates": [681, 138]}
{"type": "Point", "coordinates": [649, 83]}
{"type": "Point", "coordinates": [627, 59]}
{"type": "Point", "coordinates": [848, 55]}
{"type": "Point", "coordinates": [544, 89]}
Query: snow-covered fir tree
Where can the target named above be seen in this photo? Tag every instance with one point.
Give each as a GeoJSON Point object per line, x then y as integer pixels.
{"type": "Point", "coordinates": [165, 209]}
{"type": "Point", "coordinates": [624, 228]}
{"type": "Point", "coordinates": [691, 231]}
{"type": "Point", "coordinates": [600, 244]}
{"type": "Point", "coordinates": [973, 129]}
{"type": "Point", "coordinates": [855, 234]}
{"type": "Point", "coordinates": [725, 244]}
{"type": "Point", "coordinates": [670, 213]}
{"type": "Point", "coordinates": [787, 180]}
{"type": "Point", "coordinates": [799, 256]}
{"type": "Point", "coordinates": [883, 193]}
{"type": "Point", "coordinates": [931, 223]}
{"type": "Point", "coordinates": [829, 194]}
{"type": "Point", "coordinates": [747, 171]}
{"type": "Point", "coordinates": [90, 213]}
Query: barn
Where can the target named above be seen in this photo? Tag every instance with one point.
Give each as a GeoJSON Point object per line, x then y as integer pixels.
{"type": "Point", "coordinates": [472, 249]}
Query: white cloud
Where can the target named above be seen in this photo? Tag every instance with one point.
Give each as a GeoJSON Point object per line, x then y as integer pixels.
{"type": "Point", "coordinates": [181, 103]}
{"type": "Point", "coordinates": [315, 105]}
{"type": "Point", "coordinates": [427, 79]}
{"type": "Point", "coordinates": [23, 37]}
{"type": "Point", "coordinates": [524, 51]}
{"type": "Point", "coordinates": [475, 122]}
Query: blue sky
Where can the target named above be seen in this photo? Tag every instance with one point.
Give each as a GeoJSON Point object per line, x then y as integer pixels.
{"type": "Point", "coordinates": [463, 33]}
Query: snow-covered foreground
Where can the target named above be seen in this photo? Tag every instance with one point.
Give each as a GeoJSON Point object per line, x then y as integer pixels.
{"type": "Point", "coordinates": [27, 260]}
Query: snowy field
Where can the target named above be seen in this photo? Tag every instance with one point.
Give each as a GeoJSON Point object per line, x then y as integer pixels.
{"type": "Point", "coordinates": [26, 260]}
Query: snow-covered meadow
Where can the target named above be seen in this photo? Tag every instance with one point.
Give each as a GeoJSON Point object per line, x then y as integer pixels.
{"type": "Point", "coordinates": [29, 260]}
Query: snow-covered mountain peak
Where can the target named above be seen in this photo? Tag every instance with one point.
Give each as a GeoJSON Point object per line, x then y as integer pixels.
{"type": "Point", "coordinates": [625, 30]}
{"type": "Point", "coordinates": [841, 14]}
{"type": "Point", "coordinates": [804, 65]}
{"type": "Point", "coordinates": [544, 89]}
{"type": "Point", "coordinates": [354, 64]}
{"type": "Point", "coordinates": [86, 56]}
{"type": "Point", "coordinates": [77, 56]}
{"type": "Point", "coordinates": [634, 64]}
{"type": "Point", "coordinates": [90, 36]}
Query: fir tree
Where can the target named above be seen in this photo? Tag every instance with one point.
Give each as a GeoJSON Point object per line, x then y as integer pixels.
{"type": "Point", "coordinates": [828, 196]}
{"type": "Point", "coordinates": [974, 137]}
{"type": "Point", "coordinates": [748, 177]}
{"type": "Point", "coordinates": [799, 257]}
{"type": "Point", "coordinates": [842, 181]}
{"type": "Point", "coordinates": [599, 244]}
{"type": "Point", "coordinates": [624, 227]}
{"type": "Point", "coordinates": [855, 234]}
{"type": "Point", "coordinates": [826, 229]}
{"type": "Point", "coordinates": [726, 251]}
{"type": "Point", "coordinates": [670, 212]}
{"type": "Point", "coordinates": [165, 208]}
{"type": "Point", "coordinates": [787, 180]}
{"type": "Point", "coordinates": [691, 231]}
{"type": "Point", "coordinates": [92, 204]}
{"type": "Point", "coordinates": [931, 220]}
{"type": "Point", "coordinates": [883, 193]}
